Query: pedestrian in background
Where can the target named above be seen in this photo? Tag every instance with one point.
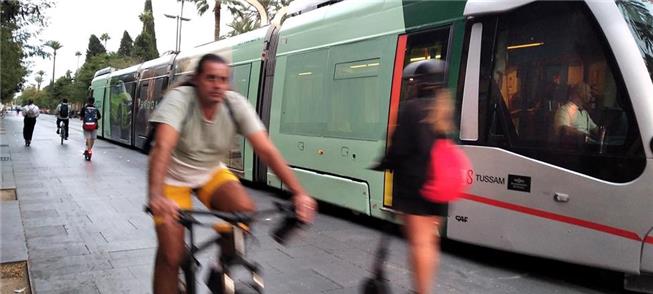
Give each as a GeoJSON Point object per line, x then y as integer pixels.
{"type": "Point", "coordinates": [425, 115]}
{"type": "Point", "coordinates": [30, 112]}
{"type": "Point", "coordinates": [90, 117]}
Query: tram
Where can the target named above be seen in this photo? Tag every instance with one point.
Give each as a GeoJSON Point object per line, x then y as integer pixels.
{"type": "Point", "coordinates": [327, 84]}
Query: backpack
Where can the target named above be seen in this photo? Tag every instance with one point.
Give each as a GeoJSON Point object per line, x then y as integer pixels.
{"type": "Point", "coordinates": [445, 176]}
{"type": "Point", "coordinates": [32, 111]}
{"type": "Point", "coordinates": [63, 110]}
{"type": "Point", "coordinates": [90, 119]}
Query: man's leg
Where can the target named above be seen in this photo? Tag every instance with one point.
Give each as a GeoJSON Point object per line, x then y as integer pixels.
{"type": "Point", "coordinates": [169, 256]}
{"type": "Point", "coordinates": [58, 125]}
{"type": "Point", "coordinates": [225, 193]}
{"type": "Point", "coordinates": [231, 197]}
{"type": "Point", "coordinates": [65, 125]}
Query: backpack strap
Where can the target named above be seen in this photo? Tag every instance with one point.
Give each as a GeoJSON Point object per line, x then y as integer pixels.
{"type": "Point", "coordinates": [147, 145]}
{"type": "Point", "coordinates": [231, 112]}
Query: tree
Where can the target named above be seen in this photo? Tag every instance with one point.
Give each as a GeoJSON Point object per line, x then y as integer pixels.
{"type": "Point", "coordinates": [31, 93]}
{"type": "Point", "coordinates": [203, 6]}
{"type": "Point", "coordinates": [247, 16]}
{"type": "Point", "coordinates": [78, 54]}
{"type": "Point", "coordinates": [242, 24]}
{"type": "Point", "coordinates": [20, 23]}
{"type": "Point", "coordinates": [39, 78]}
{"type": "Point", "coordinates": [94, 47]}
{"type": "Point", "coordinates": [143, 49]}
{"type": "Point", "coordinates": [126, 45]}
{"type": "Point", "coordinates": [105, 37]}
{"type": "Point", "coordinates": [145, 43]}
{"type": "Point", "coordinates": [55, 46]}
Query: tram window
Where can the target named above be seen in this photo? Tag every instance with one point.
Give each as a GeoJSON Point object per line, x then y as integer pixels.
{"type": "Point", "coordinates": [303, 98]}
{"type": "Point", "coordinates": [160, 85]}
{"type": "Point", "coordinates": [557, 96]}
{"type": "Point", "coordinates": [240, 78]}
{"type": "Point", "coordinates": [423, 46]}
{"type": "Point", "coordinates": [355, 106]}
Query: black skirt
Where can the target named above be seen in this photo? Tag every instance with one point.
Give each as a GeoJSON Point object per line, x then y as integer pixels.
{"type": "Point", "coordinates": [417, 205]}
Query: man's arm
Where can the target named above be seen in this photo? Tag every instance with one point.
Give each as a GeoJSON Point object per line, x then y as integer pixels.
{"type": "Point", "coordinates": [160, 156]}
{"type": "Point", "coordinates": [304, 204]}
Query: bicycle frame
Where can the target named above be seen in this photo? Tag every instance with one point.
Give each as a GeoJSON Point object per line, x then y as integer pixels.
{"type": "Point", "coordinates": [231, 241]}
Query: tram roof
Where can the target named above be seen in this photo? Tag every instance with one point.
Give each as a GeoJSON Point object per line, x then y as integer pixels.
{"type": "Point", "coordinates": [245, 47]}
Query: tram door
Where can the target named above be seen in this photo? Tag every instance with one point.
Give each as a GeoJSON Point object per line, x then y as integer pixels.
{"type": "Point", "coordinates": [552, 137]}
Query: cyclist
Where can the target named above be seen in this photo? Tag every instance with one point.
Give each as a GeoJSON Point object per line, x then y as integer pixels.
{"type": "Point", "coordinates": [196, 123]}
{"type": "Point", "coordinates": [89, 116]}
{"type": "Point", "coordinates": [62, 112]}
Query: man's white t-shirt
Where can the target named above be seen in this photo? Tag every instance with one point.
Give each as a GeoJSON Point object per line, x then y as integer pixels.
{"type": "Point", "coordinates": [203, 144]}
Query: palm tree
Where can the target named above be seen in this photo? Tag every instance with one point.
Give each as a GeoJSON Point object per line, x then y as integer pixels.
{"type": "Point", "coordinates": [78, 54]}
{"type": "Point", "coordinates": [39, 79]}
{"type": "Point", "coordinates": [105, 37]}
{"type": "Point", "coordinates": [252, 14]}
{"type": "Point", "coordinates": [55, 46]}
{"type": "Point", "coordinates": [203, 6]}
{"type": "Point", "coordinates": [242, 24]}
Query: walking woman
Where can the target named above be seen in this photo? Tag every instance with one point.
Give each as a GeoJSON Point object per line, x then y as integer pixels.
{"type": "Point", "coordinates": [30, 111]}
{"type": "Point", "coordinates": [425, 115]}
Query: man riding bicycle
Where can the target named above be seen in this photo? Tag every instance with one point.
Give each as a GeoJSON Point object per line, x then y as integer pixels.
{"type": "Point", "coordinates": [62, 112]}
{"type": "Point", "coordinates": [196, 124]}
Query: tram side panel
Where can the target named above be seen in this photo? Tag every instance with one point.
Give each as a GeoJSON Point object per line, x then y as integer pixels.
{"type": "Point", "coordinates": [535, 189]}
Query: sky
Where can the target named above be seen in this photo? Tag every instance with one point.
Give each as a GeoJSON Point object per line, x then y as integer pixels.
{"type": "Point", "coordinates": [71, 23]}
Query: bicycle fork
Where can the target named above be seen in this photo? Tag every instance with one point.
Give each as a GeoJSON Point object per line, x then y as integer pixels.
{"type": "Point", "coordinates": [232, 253]}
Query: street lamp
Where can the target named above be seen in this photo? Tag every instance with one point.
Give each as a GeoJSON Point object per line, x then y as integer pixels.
{"type": "Point", "coordinates": [180, 19]}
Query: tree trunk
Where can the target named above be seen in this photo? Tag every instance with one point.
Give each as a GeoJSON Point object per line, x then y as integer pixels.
{"type": "Point", "coordinates": [216, 16]}
{"type": "Point", "coordinates": [54, 62]}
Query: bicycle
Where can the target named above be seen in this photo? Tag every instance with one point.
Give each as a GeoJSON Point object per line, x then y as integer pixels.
{"type": "Point", "coordinates": [63, 133]}
{"type": "Point", "coordinates": [231, 244]}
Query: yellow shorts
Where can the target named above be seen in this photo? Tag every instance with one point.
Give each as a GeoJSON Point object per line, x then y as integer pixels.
{"type": "Point", "coordinates": [182, 195]}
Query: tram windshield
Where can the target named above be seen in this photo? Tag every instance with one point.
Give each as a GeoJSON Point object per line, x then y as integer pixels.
{"type": "Point", "coordinates": [639, 16]}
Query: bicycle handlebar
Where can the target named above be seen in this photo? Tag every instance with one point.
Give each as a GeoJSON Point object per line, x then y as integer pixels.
{"type": "Point", "coordinates": [280, 233]}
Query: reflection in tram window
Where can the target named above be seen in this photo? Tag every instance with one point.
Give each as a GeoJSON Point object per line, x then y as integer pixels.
{"type": "Point", "coordinates": [545, 53]}
{"type": "Point", "coordinates": [120, 104]}
{"type": "Point", "coordinates": [240, 84]}
{"type": "Point", "coordinates": [639, 16]}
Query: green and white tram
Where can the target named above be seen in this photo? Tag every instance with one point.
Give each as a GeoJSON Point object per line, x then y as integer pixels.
{"type": "Point", "coordinates": [327, 83]}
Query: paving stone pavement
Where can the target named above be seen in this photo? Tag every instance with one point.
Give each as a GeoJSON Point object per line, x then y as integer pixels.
{"type": "Point", "coordinates": [85, 231]}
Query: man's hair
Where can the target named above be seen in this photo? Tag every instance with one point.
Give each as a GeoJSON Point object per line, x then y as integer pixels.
{"type": "Point", "coordinates": [30, 102]}
{"type": "Point", "coordinates": [208, 58]}
{"type": "Point", "coordinates": [90, 100]}
{"type": "Point", "coordinates": [64, 100]}
{"type": "Point", "coordinates": [200, 69]}
{"type": "Point", "coordinates": [580, 90]}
